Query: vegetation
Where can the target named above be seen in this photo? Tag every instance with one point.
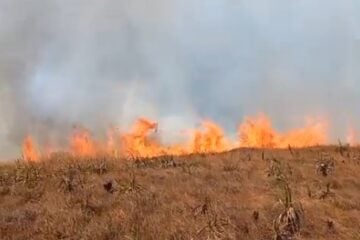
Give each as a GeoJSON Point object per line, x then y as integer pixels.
{"type": "Point", "coordinates": [310, 193]}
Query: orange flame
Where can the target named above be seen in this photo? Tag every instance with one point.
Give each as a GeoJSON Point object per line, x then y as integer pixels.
{"type": "Point", "coordinates": [81, 143]}
{"type": "Point", "coordinates": [143, 139]}
{"type": "Point", "coordinates": [258, 132]}
{"type": "Point", "coordinates": [139, 143]}
{"type": "Point", "coordinates": [30, 153]}
{"type": "Point", "coordinates": [210, 140]}
{"type": "Point", "coordinates": [314, 133]}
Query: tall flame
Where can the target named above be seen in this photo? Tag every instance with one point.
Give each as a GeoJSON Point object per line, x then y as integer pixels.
{"type": "Point", "coordinates": [82, 144]}
{"type": "Point", "coordinates": [30, 152]}
{"type": "Point", "coordinates": [258, 132]}
{"type": "Point", "coordinates": [210, 140]}
{"type": "Point", "coordinates": [138, 142]}
{"type": "Point", "coordinates": [142, 140]}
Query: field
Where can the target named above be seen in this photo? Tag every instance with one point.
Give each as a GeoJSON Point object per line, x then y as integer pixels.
{"type": "Point", "coordinates": [310, 193]}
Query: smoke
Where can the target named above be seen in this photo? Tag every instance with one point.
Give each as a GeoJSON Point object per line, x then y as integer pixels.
{"type": "Point", "coordinates": [103, 63]}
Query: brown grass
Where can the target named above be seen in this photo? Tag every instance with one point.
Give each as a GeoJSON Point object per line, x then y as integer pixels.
{"type": "Point", "coordinates": [236, 195]}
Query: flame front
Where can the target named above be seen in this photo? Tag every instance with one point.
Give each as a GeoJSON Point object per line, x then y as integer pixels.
{"type": "Point", "coordinates": [139, 143]}
{"type": "Point", "coordinates": [143, 140]}
{"type": "Point", "coordinates": [30, 152]}
{"type": "Point", "coordinates": [210, 140]}
{"type": "Point", "coordinates": [81, 143]}
{"type": "Point", "coordinates": [258, 132]}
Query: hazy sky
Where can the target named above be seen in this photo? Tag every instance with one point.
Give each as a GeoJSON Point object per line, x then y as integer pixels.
{"type": "Point", "coordinates": [97, 63]}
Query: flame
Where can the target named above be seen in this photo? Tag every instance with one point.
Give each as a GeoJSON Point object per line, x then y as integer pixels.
{"type": "Point", "coordinates": [81, 143]}
{"type": "Point", "coordinates": [30, 152]}
{"type": "Point", "coordinates": [210, 140]}
{"type": "Point", "coordinates": [258, 132]}
{"type": "Point", "coordinates": [143, 140]}
{"type": "Point", "coordinates": [139, 143]}
{"type": "Point", "coordinates": [314, 133]}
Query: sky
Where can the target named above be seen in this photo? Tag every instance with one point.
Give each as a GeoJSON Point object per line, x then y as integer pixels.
{"type": "Point", "coordinates": [105, 63]}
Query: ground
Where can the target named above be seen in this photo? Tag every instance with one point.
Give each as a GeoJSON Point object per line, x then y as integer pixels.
{"type": "Point", "coordinates": [242, 194]}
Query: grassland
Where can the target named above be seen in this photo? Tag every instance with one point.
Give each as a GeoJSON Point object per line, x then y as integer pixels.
{"type": "Point", "coordinates": [311, 193]}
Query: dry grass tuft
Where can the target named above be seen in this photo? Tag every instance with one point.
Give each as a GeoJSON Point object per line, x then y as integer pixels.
{"type": "Point", "coordinates": [242, 194]}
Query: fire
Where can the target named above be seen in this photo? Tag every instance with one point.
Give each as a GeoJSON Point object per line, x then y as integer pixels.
{"type": "Point", "coordinates": [210, 140]}
{"type": "Point", "coordinates": [258, 132]}
{"type": "Point", "coordinates": [143, 140]}
{"type": "Point", "coordinates": [314, 133]}
{"type": "Point", "coordinates": [30, 152]}
{"type": "Point", "coordinates": [139, 142]}
{"type": "Point", "coordinates": [81, 143]}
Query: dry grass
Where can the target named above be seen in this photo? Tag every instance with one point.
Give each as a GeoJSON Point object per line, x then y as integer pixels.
{"type": "Point", "coordinates": [242, 194]}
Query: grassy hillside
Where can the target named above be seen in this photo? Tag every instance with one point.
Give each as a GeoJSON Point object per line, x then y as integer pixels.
{"type": "Point", "coordinates": [243, 194]}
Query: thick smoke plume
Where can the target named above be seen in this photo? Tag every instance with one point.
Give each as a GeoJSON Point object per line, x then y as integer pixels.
{"type": "Point", "coordinates": [104, 63]}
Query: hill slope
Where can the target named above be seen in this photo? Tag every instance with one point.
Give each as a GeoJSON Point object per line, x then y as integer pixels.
{"type": "Point", "coordinates": [235, 195]}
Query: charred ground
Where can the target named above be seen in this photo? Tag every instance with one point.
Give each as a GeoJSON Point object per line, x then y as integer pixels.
{"type": "Point", "coordinates": [310, 193]}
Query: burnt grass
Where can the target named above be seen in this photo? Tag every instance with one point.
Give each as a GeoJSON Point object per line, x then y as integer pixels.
{"type": "Point", "coordinates": [232, 195]}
